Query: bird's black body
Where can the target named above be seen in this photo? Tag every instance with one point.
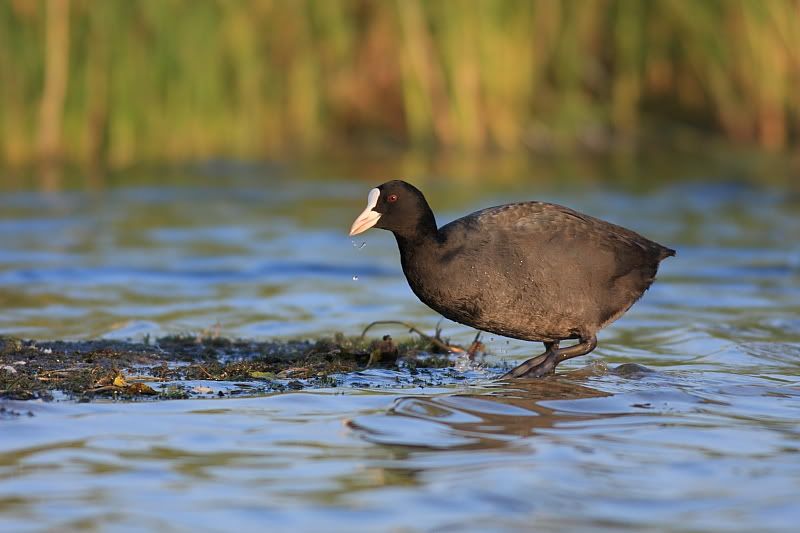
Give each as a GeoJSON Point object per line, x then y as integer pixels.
{"type": "Point", "coordinates": [533, 271]}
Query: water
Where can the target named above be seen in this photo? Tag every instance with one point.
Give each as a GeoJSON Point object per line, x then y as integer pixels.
{"type": "Point", "coordinates": [708, 440]}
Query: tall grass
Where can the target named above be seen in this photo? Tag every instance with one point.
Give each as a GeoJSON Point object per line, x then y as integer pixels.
{"type": "Point", "coordinates": [116, 81]}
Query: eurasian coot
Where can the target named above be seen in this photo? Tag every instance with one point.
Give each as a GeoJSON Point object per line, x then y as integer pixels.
{"type": "Point", "coordinates": [531, 270]}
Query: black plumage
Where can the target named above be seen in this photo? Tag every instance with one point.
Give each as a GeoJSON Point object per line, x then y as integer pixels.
{"type": "Point", "coordinates": [533, 270]}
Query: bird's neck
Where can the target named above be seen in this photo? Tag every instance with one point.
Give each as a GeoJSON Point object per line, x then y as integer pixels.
{"type": "Point", "coordinates": [421, 233]}
{"type": "Point", "coordinates": [412, 245]}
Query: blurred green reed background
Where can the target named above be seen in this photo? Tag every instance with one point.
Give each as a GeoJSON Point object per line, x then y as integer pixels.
{"type": "Point", "coordinates": [117, 82]}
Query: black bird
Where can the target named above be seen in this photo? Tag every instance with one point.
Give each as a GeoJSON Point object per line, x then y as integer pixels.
{"type": "Point", "coordinates": [532, 270]}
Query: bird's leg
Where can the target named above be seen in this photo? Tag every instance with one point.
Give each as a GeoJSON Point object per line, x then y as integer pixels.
{"type": "Point", "coordinates": [585, 346]}
{"type": "Point", "coordinates": [538, 366]}
{"type": "Point", "coordinates": [546, 363]}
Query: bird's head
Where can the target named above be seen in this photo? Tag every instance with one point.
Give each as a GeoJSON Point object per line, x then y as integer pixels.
{"type": "Point", "coordinates": [396, 206]}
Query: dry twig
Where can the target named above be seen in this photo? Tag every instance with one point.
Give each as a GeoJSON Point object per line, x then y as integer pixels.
{"type": "Point", "coordinates": [435, 340]}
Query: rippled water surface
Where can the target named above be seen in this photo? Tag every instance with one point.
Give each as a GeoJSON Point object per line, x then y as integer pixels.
{"type": "Point", "coordinates": [705, 438]}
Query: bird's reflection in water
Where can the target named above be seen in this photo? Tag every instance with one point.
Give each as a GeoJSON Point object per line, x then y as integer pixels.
{"type": "Point", "coordinates": [482, 420]}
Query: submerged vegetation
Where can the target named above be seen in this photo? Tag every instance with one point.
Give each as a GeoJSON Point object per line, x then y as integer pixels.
{"type": "Point", "coordinates": [118, 82]}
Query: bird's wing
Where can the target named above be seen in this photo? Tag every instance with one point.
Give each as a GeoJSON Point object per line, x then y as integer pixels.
{"type": "Point", "coordinates": [561, 225]}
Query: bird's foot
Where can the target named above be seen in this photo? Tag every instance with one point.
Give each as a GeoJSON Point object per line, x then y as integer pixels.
{"type": "Point", "coordinates": [545, 364]}
{"type": "Point", "coordinates": [537, 367]}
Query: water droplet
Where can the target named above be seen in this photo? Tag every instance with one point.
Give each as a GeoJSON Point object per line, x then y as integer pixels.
{"type": "Point", "coordinates": [355, 277]}
{"type": "Point", "coordinates": [359, 245]}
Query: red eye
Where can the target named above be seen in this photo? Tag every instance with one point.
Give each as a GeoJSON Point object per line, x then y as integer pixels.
{"type": "Point", "coordinates": [392, 198]}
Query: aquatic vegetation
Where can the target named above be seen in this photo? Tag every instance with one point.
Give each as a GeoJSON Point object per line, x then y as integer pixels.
{"type": "Point", "coordinates": [86, 369]}
{"type": "Point", "coordinates": [119, 82]}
